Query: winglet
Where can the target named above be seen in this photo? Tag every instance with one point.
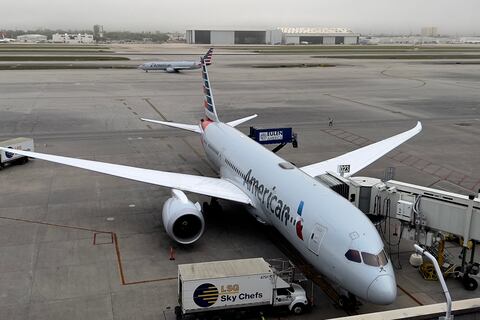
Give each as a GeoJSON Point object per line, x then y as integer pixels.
{"type": "Point", "coordinates": [208, 102]}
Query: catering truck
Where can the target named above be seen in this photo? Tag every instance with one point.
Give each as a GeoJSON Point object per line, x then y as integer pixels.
{"type": "Point", "coordinates": [234, 286]}
{"type": "Point", "coordinates": [6, 157]}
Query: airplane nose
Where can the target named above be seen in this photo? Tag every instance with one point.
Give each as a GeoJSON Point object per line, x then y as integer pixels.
{"type": "Point", "coordinates": [383, 290]}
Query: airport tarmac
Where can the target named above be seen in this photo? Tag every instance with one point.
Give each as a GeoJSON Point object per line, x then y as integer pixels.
{"type": "Point", "coordinates": [76, 244]}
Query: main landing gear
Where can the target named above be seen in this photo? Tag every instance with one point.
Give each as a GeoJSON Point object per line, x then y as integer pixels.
{"type": "Point", "coordinates": [212, 207]}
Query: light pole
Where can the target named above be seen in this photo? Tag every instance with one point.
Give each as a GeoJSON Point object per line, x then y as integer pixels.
{"type": "Point", "coordinates": [448, 315]}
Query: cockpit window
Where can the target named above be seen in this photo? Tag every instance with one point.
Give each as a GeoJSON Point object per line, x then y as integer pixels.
{"type": "Point", "coordinates": [382, 258]}
{"type": "Point", "coordinates": [378, 260]}
{"type": "Point", "coordinates": [370, 259]}
{"type": "Point", "coordinates": [353, 255]}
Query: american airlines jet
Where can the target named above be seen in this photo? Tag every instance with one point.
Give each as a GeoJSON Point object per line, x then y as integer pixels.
{"type": "Point", "coordinates": [6, 40]}
{"type": "Point", "coordinates": [176, 66]}
{"type": "Point", "coordinates": [332, 234]}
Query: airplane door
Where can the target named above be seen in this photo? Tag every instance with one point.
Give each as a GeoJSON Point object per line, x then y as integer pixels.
{"type": "Point", "coordinates": [316, 237]}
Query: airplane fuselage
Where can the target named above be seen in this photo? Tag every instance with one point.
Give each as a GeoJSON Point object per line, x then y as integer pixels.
{"type": "Point", "coordinates": [170, 66]}
{"type": "Point", "coordinates": [321, 225]}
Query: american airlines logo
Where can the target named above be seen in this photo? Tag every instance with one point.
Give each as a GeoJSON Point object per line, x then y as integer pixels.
{"type": "Point", "coordinates": [267, 197]}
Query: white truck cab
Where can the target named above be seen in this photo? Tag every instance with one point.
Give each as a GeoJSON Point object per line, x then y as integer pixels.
{"type": "Point", "coordinates": [293, 296]}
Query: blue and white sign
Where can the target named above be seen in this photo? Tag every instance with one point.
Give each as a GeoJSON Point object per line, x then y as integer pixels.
{"type": "Point", "coordinates": [271, 136]}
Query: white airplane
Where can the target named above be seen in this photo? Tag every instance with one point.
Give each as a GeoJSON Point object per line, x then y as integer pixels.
{"type": "Point", "coordinates": [332, 234]}
{"type": "Point", "coordinates": [176, 66]}
{"type": "Point", "coordinates": [6, 40]}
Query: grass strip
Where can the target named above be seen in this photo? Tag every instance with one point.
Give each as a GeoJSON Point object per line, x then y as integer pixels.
{"type": "Point", "coordinates": [404, 56]}
{"type": "Point", "coordinates": [62, 58]}
{"type": "Point", "coordinates": [62, 67]}
{"type": "Point", "coordinates": [294, 65]}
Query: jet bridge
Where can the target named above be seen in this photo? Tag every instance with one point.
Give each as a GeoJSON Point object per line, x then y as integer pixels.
{"type": "Point", "coordinates": [425, 215]}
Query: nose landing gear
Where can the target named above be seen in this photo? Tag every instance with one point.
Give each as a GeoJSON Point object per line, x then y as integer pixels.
{"type": "Point", "coordinates": [347, 302]}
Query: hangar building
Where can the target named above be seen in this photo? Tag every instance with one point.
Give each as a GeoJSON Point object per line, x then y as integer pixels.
{"type": "Point", "coordinates": [328, 36]}
{"type": "Point", "coordinates": [234, 36]}
{"type": "Point", "coordinates": [33, 38]}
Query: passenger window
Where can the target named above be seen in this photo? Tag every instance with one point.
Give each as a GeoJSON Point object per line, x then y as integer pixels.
{"type": "Point", "coordinates": [370, 259]}
{"type": "Point", "coordinates": [353, 255]}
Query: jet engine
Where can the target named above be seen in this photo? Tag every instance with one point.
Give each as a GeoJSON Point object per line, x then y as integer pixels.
{"type": "Point", "coordinates": [182, 219]}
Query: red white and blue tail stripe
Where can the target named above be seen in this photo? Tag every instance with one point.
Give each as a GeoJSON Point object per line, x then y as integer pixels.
{"type": "Point", "coordinates": [208, 57]}
{"type": "Point", "coordinates": [208, 102]}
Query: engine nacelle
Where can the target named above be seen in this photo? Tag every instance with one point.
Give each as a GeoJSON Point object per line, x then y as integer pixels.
{"type": "Point", "coordinates": [182, 219]}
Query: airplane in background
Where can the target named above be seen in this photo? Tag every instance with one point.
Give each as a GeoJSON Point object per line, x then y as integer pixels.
{"type": "Point", "coordinates": [6, 40]}
{"type": "Point", "coordinates": [332, 235]}
{"type": "Point", "coordinates": [176, 66]}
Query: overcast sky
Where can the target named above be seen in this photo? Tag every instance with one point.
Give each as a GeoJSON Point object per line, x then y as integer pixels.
{"type": "Point", "coordinates": [365, 16]}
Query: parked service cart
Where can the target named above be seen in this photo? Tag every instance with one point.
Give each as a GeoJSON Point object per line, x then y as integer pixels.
{"type": "Point", "coordinates": [215, 288]}
{"type": "Point", "coordinates": [6, 157]}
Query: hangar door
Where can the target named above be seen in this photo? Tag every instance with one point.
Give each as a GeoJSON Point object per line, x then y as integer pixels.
{"type": "Point", "coordinates": [250, 37]}
{"type": "Point", "coordinates": [311, 39]}
{"type": "Point", "coordinates": [202, 36]}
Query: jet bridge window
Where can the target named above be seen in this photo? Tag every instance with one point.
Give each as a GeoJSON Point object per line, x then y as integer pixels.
{"type": "Point", "coordinates": [378, 260]}
{"type": "Point", "coordinates": [353, 255]}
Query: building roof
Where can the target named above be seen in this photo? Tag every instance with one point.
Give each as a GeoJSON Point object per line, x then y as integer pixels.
{"type": "Point", "coordinates": [223, 269]}
{"type": "Point", "coordinates": [31, 35]}
{"type": "Point", "coordinates": [306, 30]}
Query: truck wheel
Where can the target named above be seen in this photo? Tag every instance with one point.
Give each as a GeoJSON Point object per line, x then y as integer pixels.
{"type": "Point", "coordinates": [178, 310]}
{"type": "Point", "coordinates": [469, 283]}
{"type": "Point", "coordinates": [298, 308]}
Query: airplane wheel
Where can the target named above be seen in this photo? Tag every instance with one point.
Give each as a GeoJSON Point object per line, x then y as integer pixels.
{"type": "Point", "coordinates": [206, 207]}
{"type": "Point", "coordinates": [475, 268]}
{"type": "Point", "coordinates": [347, 303]}
{"type": "Point", "coordinates": [215, 206]}
{"type": "Point", "coordinates": [469, 283]}
{"type": "Point", "coordinates": [342, 302]}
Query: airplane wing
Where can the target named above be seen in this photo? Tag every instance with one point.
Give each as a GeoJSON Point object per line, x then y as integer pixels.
{"type": "Point", "coordinates": [213, 187]}
{"type": "Point", "coordinates": [360, 158]}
